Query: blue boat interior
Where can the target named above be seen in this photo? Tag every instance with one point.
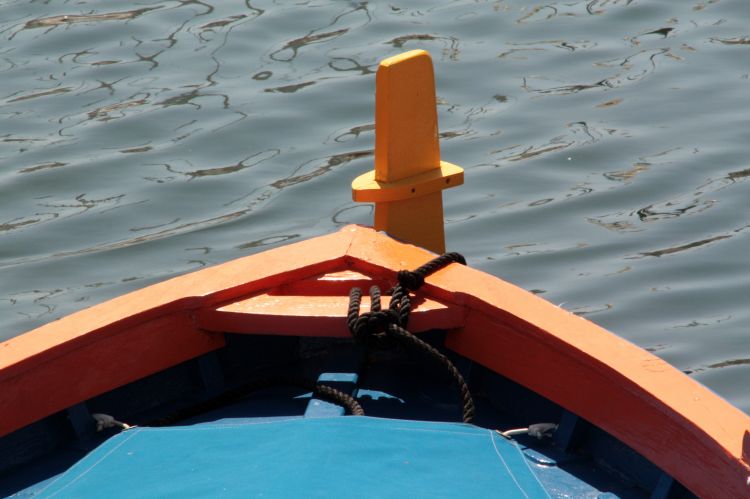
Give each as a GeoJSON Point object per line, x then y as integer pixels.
{"type": "Point", "coordinates": [283, 441]}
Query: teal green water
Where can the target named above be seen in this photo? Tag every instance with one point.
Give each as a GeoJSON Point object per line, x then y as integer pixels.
{"type": "Point", "coordinates": [605, 144]}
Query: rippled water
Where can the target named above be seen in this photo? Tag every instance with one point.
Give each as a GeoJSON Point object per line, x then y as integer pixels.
{"type": "Point", "coordinates": [605, 144]}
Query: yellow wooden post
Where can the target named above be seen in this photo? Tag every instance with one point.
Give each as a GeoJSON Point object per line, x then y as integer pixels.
{"type": "Point", "coordinates": [409, 176]}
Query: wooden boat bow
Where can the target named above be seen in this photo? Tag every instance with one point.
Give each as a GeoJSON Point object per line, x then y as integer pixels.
{"type": "Point", "coordinates": [683, 427]}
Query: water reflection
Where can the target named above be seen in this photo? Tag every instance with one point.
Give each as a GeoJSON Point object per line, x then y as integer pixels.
{"type": "Point", "coordinates": [262, 75]}
{"type": "Point", "coordinates": [630, 70]}
{"type": "Point", "coordinates": [729, 363]}
{"type": "Point", "coordinates": [740, 174]}
{"type": "Point", "coordinates": [290, 89]}
{"type": "Point", "coordinates": [661, 32]}
{"type": "Point", "coordinates": [209, 8]}
{"type": "Point", "coordinates": [205, 250]}
{"type": "Point", "coordinates": [155, 226]}
{"type": "Point", "coordinates": [350, 64]}
{"type": "Point", "coordinates": [292, 47]}
{"type": "Point", "coordinates": [46, 93]}
{"type": "Point", "coordinates": [591, 309]}
{"type": "Point", "coordinates": [106, 113]}
{"type": "Point", "coordinates": [541, 46]}
{"type": "Point", "coordinates": [609, 103]}
{"type": "Point", "coordinates": [359, 213]}
{"type": "Point", "coordinates": [683, 247]}
{"type": "Point", "coordinates": [705, 322]}
{"type": "Point", "coordinates": [569, 9]}
{"type": "Point", "coordinates": [301, 174]}
{"type": "Point", "coordinates": [38, 298]}
{"type": "Point", "coordinates": [136, 149]}
{"type": "Point", "coordinates": [743, 40]}
{"type": "Point", "coordinates": [353, 133]}
{"type": "Point", "coordinates": [629, 175]}
{"type": "Point", "coordinates": [151, 236]}
{"type": "Point", "coordinates": [222, 22]}
{"type": "Point", "coordinates": [54, 21]}
{"type": "Point", "coordinates": [578, 134]}
{"type": "Point", "coordinates": [719, 365]}
{"type": "Point", "coordinates": [82, 204]}
{"type": "Point", "coordinates": [644, 164]}
{"type": "Point", "coordinates": [248, 162]}
{"type": "Point", "coordinates": [43, 166]}
{"type": "Point", "coordinates": [21, 222]}
{"type": "Point", "coordinates": [268, 241]}
{"type": "Point", "coordinates": [674, 208]}
{"type": "Point", "coordinates": [450, 44]}
{"type": "Point", "coordinates": [617, 225]}
{"type": "Point", "coordinates": [539, 13]}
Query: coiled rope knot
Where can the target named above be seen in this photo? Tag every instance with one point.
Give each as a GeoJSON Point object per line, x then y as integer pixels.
{"type": "Point", "coordinates": [375, 323]}
{"type": "Point", "coordinates": [383, 328]}
{"type": "Point", "coordinates": [370, 327]}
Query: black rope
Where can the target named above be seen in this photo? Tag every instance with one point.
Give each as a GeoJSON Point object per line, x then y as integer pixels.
{"type": "Point", "coordinates": [413, 280]}
{"type": "Point", "coordinates": [375, 327]}
{"type": "Point", "coordinates": [407, 338]}
{"type": "Point", "coordinates": [370, 328]}
{"type": "Point", "coordinates": [237, 394]}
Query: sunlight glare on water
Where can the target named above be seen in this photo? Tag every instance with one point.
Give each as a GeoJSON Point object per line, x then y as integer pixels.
{"type": "Point", "coordinates": [604, 142]}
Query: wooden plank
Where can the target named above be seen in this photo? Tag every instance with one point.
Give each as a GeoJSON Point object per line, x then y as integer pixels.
{"type": "Point", "coordinates": [270, 313]}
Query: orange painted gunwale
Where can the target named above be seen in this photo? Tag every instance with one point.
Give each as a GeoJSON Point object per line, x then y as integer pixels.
{"type": "Point", "coordinates": [681, 426]}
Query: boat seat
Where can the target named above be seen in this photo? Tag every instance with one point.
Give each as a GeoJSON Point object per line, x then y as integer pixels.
{"type": "Point", "coordinates": [318, 306]}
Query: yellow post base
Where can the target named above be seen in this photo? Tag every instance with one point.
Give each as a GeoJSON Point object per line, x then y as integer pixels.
{"type": "Point", "coordinates": [398, 219]}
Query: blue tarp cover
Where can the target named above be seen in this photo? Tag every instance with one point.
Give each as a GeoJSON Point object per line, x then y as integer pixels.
{"type": "Point", "coordinates": [328, 457]}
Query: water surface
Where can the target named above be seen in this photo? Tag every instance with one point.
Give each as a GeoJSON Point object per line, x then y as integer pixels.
{"type": "Point", "coordinates": [605, 144]}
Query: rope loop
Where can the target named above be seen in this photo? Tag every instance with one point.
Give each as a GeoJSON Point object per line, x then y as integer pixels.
{"type": "Point", "coordinates": [374, 323]}
{"type": "Point", "coordinates": [370, 327]}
